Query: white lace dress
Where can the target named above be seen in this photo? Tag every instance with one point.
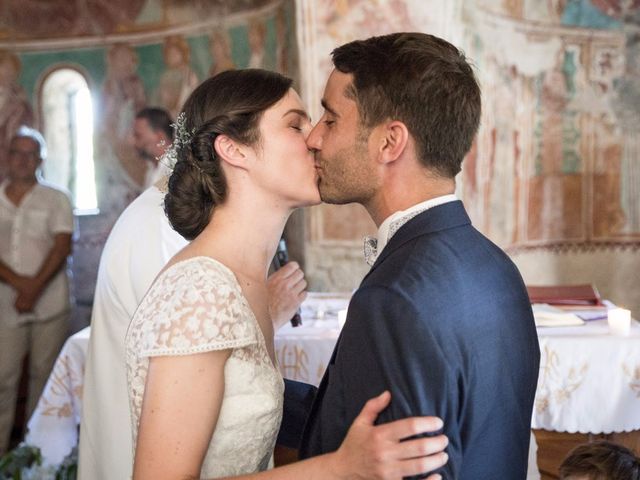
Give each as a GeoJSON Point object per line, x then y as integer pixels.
{"type": "Point", "coordinates": [197, 306]}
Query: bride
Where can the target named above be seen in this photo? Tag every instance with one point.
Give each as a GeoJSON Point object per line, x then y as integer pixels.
{"type": "Point", "coordinates": [205, 393]}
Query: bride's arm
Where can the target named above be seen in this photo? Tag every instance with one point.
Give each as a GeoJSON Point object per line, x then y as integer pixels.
{"type": "Point", "coordinates": [180, 409]}
{"type": "Point", "coordinates": [182, 400]}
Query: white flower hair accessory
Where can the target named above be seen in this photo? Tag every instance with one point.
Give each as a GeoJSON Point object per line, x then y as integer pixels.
{"type": "Point", "coordinates": [182, 139]}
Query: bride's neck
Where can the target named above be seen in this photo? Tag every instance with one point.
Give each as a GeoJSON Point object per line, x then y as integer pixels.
{"type": "Point", "coordinates": [244, 236]}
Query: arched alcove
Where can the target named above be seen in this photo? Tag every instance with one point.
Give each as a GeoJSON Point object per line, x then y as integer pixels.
{"type": "Point", "coordinates": [67, 124]}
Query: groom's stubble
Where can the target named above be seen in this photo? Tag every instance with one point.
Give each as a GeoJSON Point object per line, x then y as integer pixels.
{"type": "Point", "coordinates": [346, 176]}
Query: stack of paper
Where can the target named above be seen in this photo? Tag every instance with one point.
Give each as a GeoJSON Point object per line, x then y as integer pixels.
{"type": "Point", "coordinates": [548, 316]}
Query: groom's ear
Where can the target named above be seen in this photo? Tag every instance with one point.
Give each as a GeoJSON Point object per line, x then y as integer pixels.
{"type": "Point", "coordinates": [230, 151]}
{"type": "Point", "coordinates": [393, 139]}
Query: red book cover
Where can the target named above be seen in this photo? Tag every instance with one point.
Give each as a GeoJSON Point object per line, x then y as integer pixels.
{"type": "Point", "coordinates": [565, 295]}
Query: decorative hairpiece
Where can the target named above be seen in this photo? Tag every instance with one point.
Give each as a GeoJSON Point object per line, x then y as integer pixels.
{"type": "Point", "coordinates": [182, 138]}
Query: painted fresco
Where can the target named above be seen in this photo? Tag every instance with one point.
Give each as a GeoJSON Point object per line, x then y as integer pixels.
{"type": "Point", "coordinates": [592, 14]}
{"type": "Point", "coordinates": [178, 79]}
{"type": "Point", "coordinates": [130, 61]}
{"type": "Point", "coordinates": [29, 19]}
{"type": "Point", "coordinates": [557, 166]}
{"type": "Point", "coordinates": [15, 109]}
{"type": "Point", "coordinates": [56, 18]}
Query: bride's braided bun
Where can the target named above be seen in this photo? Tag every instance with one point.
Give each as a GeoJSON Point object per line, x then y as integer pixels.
{"type": "Point", "coordinates": [230, 103]}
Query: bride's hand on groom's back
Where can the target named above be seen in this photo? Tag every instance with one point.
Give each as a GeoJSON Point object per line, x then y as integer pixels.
{"type": "Point", "coordinates": [286, 289]}
{"type": "Point", "coordinates": [376, 452]}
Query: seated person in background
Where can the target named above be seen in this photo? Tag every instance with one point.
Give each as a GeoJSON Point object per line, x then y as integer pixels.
{"type": "Point", "coordinates": [600, 461]}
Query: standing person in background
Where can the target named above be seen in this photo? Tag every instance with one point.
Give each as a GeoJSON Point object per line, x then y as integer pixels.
{"type": "Point", "coordinates": [152, 135]}
{"type": "Point", "coordinates": [36, 229]}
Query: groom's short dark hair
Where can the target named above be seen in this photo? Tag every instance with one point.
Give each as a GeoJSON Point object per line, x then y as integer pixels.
{"type": "Point", "coordinates": [422, 81]}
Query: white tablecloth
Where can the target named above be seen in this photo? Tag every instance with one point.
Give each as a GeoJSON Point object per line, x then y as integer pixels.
{"type": "Point", "coordinates": [589, 379]}
{"type": "Point", "coordinates": [54, 424]}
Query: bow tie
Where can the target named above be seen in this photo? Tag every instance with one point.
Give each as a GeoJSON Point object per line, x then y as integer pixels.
{"type": "Point", "coordinates": [370, 250]}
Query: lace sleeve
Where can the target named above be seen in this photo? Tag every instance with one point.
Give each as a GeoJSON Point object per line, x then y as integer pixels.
{"type": "Point", "coordinates": [195, 306]}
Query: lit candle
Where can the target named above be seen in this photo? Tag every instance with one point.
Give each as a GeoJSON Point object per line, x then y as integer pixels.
{"type": "Point", "coordinates": [619, 321]}
{"type": "Point", "coordinates": [342, 317]}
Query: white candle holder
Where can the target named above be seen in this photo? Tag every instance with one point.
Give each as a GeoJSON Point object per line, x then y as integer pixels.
{"type": "Point", "coordinates": [619, 321]}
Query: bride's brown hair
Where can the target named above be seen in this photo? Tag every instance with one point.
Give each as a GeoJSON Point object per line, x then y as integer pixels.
{"type": "Point", "coordinates": [230, 103]}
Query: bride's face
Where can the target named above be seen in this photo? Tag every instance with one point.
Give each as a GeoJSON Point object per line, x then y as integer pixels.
{"type": "Point", "coordinates": [285, 163]}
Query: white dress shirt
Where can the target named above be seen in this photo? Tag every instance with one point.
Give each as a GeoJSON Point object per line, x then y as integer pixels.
{"type": "Point", "coordinates": [139, 245]}
{"type": "Point", "coordinates": [27, 234]}
{"type": "Point", "coordinates": [393, 222]}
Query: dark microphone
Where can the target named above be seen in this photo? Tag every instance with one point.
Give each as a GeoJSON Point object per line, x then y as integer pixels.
{"type": "Point", "coordinates": [279, 260]}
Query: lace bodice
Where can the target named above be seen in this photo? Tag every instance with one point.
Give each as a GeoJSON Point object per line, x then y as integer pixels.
{"type": "Point", "coordinates": [197, 306]}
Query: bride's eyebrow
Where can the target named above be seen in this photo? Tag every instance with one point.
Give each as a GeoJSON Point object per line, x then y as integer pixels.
{"type": "Point", "coordinates": [297, 111]}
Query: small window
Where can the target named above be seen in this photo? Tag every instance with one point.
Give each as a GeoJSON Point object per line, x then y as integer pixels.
{"type": "Point", "coordinates": [67, 119]}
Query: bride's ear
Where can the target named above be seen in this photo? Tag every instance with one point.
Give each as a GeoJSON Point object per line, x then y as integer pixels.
{"type": "Point", "coordinates": [231, 151]}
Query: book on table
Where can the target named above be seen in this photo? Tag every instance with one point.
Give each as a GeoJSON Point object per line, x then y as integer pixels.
{"type": "Point", "coordinates": [566, 295]}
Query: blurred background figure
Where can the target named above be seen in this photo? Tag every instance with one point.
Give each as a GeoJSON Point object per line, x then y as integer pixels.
{"type": "Point", "coordinates": [257, 36]}
{"type": "Point", "coordinates": [152, 135]}
{"type": "Point", "coordinates": [36, 229]}
{"type": "Point", "coordinates": [600, 461]}
{"type": "Point", "coordinates": [122, 96]}
{"type": "Point", "coordinates": [178, 80]}
{"type": "Point", "coordinates": [220, 48]}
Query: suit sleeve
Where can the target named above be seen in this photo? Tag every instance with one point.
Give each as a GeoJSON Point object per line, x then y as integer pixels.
{"type": "Point", "coordinates": [389, 344]}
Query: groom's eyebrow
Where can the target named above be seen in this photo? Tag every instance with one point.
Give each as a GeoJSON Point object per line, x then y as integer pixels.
{"type": "Point", "coordinates": [326, 106]}
{"type": "Point", "coordinates": [297, 111]}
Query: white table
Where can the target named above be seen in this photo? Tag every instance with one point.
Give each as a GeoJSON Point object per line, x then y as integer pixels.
{"type": "Point", "coordinates": [54, 424]}
{"type": "Point", "coordinates": [589, 380]}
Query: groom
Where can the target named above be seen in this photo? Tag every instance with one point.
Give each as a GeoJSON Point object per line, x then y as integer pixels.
{"type": "Point", "coordinates": [442, 319]}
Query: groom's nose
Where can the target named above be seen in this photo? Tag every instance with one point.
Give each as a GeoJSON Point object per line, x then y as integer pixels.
{"type": "Point", "coordinates": [314, 140]}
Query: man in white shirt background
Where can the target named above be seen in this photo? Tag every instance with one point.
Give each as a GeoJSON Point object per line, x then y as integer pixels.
{"type": "Point", "coordinates": [36, 229]}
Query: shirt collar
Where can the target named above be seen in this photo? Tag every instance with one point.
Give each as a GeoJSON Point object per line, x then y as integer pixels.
{"type": "Point", "coordinates": [393, 222]}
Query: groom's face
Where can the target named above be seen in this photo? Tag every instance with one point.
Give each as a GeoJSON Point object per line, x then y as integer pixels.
{"type": "Point", "coordinates": [340, 145]}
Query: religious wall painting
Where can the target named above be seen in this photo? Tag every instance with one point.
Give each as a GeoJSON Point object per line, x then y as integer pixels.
{"type": "Point", "coordinates": [283, 36]}
{"type": "Point", "coordinates": [60, 18]}
{"type": "Point", "coordinates": [31, 19]}
{"type": "Point", "coordinates": [608, 214]}
{"type": "Point", "coordinates": [593, 14]}
{"type": "Point", "coordinates": [590, 14]}
{"type": "Point", "coordinates": [123, 95]}
{"type": "Point", "coordinates": [178, 79]}
{"type": "Point", "coordinates": [257, 36]}
{"type": "Point", "coordinates": [626, 105]}
{"type": "Point", "coordinates": [15, 107]}
{"type": "Point", "coordinates": [220, 49]}
{"type": "Point", "coordinates": [556, 166]}
{"type": "Point", "coordinates": [556, 186]}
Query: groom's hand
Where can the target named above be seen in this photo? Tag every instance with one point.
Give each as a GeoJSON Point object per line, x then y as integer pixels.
{"type": "Point", "coordinates": [286, 288]}
{"type": "Point", "coordinates": [377, 452]}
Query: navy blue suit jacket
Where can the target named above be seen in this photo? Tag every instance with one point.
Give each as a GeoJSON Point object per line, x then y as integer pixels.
{"type": "Point", "coordinates": [443, 321]}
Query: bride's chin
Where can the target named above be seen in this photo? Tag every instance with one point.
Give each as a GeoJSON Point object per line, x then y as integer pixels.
{"type": "Point", "coordinates": [312, 200]}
